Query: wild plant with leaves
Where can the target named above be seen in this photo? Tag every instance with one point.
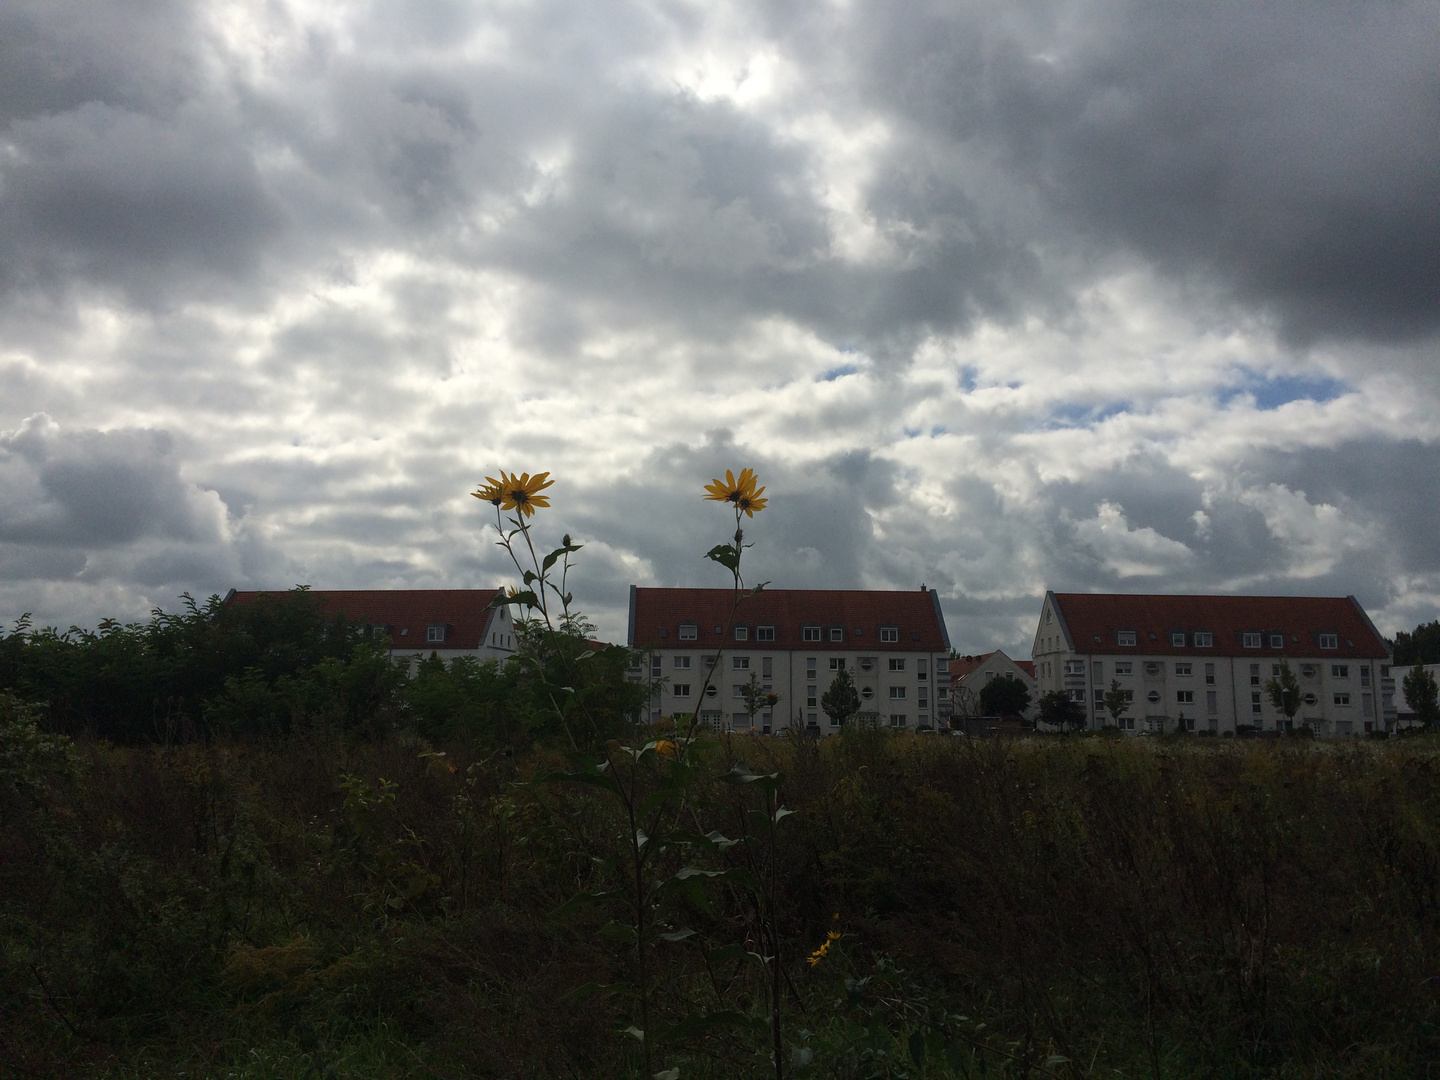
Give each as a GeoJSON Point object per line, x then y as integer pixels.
{"type": "Point", "coordinates": [661, 864]}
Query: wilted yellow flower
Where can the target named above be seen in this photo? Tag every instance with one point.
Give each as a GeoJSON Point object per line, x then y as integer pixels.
{"type": "Point", "coordinates": [742, 491]}
{"type": "Point", "coordinates": [666, 747]}
{"type": "Point", "coordinates": [522, 492]}
{"type": "Point", "coordinates": [492, 491]}
{"type": "Point", "coordinates": [820, 953]}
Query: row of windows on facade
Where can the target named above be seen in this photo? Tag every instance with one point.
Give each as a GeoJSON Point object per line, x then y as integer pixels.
{"type": "Point", "coordinates": [739, 690]}
{"type": "Point", "coordinates": [1205, 639]}
{"type": "Point", "coordinates": [682, 662]}
{"type": "Point", "coordinates": [1185, 669]}
{"type": "Point", "coordinates": [1212, 699]}
{"type": "Point", "coordinates": [714, 718]}
{"type": "Point", "coordinates": [888, 635]}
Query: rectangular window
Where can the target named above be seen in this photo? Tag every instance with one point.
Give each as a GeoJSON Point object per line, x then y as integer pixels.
{"type": "Point", "coordinates": [1340, 671]}
{"type": "Point", "coordinates": [767, 667]}
{"type": "Point", "coordinates": [737, 690]}
{"type": "Point", "coordinates": [742, 633]}
{"type": "Point", "coordinates": [681, 663]}
{"type": "Point", "coordinates": [1342, 699]}
{"type": "Point", "coordinates": [923, 702]}
{"type": "Point", "coordinates": [1099, 697]}
{"type": "Point", "coordinates": [1367, 704]}
{"type": "Point", "coordinates": [739, 663]}
{"type": "Point", "coordinates": [656, 671]}
{"type": "Point", "coordinates": [920, 669]}
{"type": "Point", "coordinates": [764, 633]}
{"type": "Point", "coordinates": [689, 631]}
{"type": "Point", "coordinates": [1329, 641]}
{"type": "Point", "coordinates": [740, 719]}
{"type": "Point", "coordinates": [897, 719]}
{"type": "Point", "coordinates": [889, 633]}
{"type": "Point", "coordinates": [837, 633]}
{"type": "Point", "coordinates": [1209, 674]}
{"type": "Point", "coordinates": [810, 697]}
{"type": "Point", "coordinates": [435, 633]}
{"type": "Point", "coordinates": [897, 663]}
{"type": "Point", "coordinates": [1204, 639]}
{"type": "Point", "coordinates": [1364, 674]}
{"type": "Point", "coordinates": [1275, 670]}
{"type": "Point", "coordinates": [810, 666]}
{"type": "Point", "coordinates": [1250, 641]}
{"type": "Point", "coordinates": [1124, 667]}
{"type": "Point", "coordinates": [1277, 641]}
{"type": "Point", "coordinates": [1254, 702]}
{"type": "Point", "coordinates": [680, 689]}
{"type": "Point", "coordinates": [897, 693]}
{"type": "Point", "coordinates": [1074, 667]}
{"type": "Point", "coordinates": [809, 633]}
{"type": "Point", "coordinates": [1212, 701]}
{"type": "Point", "coordinates": [1177, 639]}
{"type": "Point", "coordinates": [1077, 695]}
{"type": "Point", "coordinates": [1184, 670]}
{"type": "Point", "coordinates": [1097, 670]}
{"type": "Point", "coordinates": [1185, 697]}
{"type": "Point", "coordinates": [837, 663]}
{"type": "Point", "coordinates": [1254, 674]}
{"type": "Point", "coordinates": [1125, 637]}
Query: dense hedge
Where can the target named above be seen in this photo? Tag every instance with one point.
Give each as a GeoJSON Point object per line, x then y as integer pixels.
{"type": "Point", "coordinates": [318, 905]}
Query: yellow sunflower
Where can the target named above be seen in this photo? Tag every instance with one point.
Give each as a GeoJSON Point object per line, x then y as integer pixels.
{"type": "Point", "coordinates": [522, 493]}
{"type": "Point", "coordinates": [742, 491]}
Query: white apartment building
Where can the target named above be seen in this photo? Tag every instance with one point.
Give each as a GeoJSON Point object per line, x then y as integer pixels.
{"type": "Point", "coordinates": [792, 642]}
{"type": "Point", "coordinates": [1202, 662]}
{"type": "Point", "coordinates": [447, 622]}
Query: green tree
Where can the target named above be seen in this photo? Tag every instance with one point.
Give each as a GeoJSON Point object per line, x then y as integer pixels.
{"type": "Point", "coordinates": [1284, 692]}
{"type": "Point", "coordinates": [841, 701]}
{"type": "Point", "coordinates": [1423, 694]}
{"type": "Point", "coordinates": [1006, 696]}
{"type": "Point", "coordinates": [1117, 701]}
{"type": "Point", "coordinates": [1420, 646]}
{"type": "Point", "coordinates": [757, 697]}
{"type": "Point", "coordinates": [1059, 710]}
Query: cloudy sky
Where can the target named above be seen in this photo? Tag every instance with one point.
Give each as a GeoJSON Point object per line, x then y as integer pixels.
{"type": "Point", "coordinates": [997, 297]}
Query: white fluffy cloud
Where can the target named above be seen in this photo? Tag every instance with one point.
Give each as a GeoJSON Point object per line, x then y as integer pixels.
{"type": "Point", "coordinates": [994, 302]}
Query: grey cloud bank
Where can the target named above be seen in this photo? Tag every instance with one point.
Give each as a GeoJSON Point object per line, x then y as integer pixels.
{"type": "Point", "coordinates": [1000, 298]}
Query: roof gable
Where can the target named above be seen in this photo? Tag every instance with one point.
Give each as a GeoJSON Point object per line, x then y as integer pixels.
{"type": "Point", "coordinates": [1095, 622]}
{"type": "Point", "coordinates": [408, 613]}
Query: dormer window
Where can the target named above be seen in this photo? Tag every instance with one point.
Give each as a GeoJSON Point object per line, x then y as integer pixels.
{"type": "Point", "coordinates": [1125, 637]}
{"type": "Point", "coordinates": [1177, 639]}
{"type": "Point", "coordinates": [1204, 639]}
{"type": "Point", "coordinates": [837, 633]}
{"type": "Point", "coordinates": [434, 633]}
{"type": "Point", "coordinates": [765, 633]}
{"type": "Point", "coordinates": [889, 634]}
{"type": "Point", "coordinates": [1250, 641]}
{"type": "Point", "coordinates": [689, 631]}
{"type": "Point", "coordinates": [1329, 641]}
{"type": "Point", "coordinates": [1277, 641]}
{"type": "Point", "coordinates": [742, 633]}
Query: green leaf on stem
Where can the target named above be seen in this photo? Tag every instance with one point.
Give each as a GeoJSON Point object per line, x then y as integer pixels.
{"type": "Point", "coordinates": [727, 555]}
{"type": "Point", "coordinates": [678, 935]}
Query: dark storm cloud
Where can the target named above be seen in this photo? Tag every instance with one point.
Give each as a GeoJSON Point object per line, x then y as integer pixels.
{"type": "Point", "coordinates": [1289, 148]}
{"type": "Point", "coordinates": [97, 489]}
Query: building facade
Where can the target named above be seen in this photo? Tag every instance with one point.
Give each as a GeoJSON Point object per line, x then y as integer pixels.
{"type": "Point", "coordinates": [792, 643]}
{"type": "Point", "coordinates": [969, 674]}
{"type": "Point", "coordinates": [1202, 662]}
{"type": "Point", "coordinates": [449, 623]}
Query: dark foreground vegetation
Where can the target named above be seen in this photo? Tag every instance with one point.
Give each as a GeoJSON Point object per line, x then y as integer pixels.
{"type": "Point", "coordinates": [311, 869]}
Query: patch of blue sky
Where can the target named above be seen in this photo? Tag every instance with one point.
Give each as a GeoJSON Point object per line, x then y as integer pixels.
{"type": "Point", "coordinates": [831, 374]}
{"type": "Point", "coordinates": [1076, 415]}
{"type": "Point", "coordinates": [938, 430]}
{"type": "Point", "coordinates": [966, 378]}
{"type": "Point", "coordinates": [912, 432]}
{"type": "Point", "coordinates": [1272, 392]}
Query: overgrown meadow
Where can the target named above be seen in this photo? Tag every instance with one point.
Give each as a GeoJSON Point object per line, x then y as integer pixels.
{"type": "Point", "coordinates": [241, 845]}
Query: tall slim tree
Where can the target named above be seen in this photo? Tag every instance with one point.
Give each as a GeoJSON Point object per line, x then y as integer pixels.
{"type": "Point", "coordinates": [1117, 701]}
{"type": "Point", "coordinates": [1423, 694]}
{"type": "Point", "coordinates": [841, 701]}
{"type": "Point", "coordinates": [1284, 692]}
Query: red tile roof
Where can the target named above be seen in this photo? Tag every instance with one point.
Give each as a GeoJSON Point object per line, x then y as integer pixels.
{"type": "Point", "coordinates": [656, 615]}
{"type": "Point", "coordinates": [964, 665]}
{"type": "Point", "coordinates": [408, 612]}
{"type": "Point", "coordinates": [1093, 620]}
